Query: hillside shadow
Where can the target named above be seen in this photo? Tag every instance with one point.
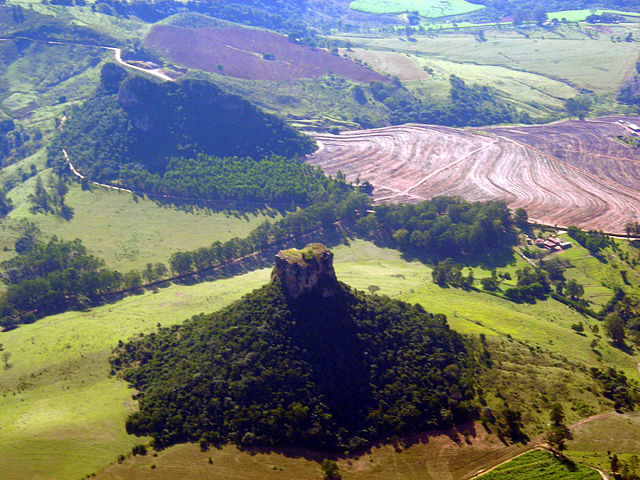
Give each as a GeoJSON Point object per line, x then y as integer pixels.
{"type": "Point", "coordinates": [230, 208]}
{"type": "Point", "coordinates": [460, 435]}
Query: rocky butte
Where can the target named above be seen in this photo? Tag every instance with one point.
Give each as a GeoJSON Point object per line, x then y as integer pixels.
{"type": "Point", "coordinates": [309, 270]}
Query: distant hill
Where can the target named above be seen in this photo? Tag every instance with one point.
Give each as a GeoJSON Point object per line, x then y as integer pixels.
{"type": "Point", "coordinates": [302, 361]}
{"type": "Point", "coordinates": [153, 136]}
{"type": "Point", "coordinates": [251, 54]}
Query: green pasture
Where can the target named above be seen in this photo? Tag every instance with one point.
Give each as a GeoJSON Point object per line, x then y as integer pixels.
{"type": "Point", "coordinates": [47, 79]}
{"type": "Point", "coordinates": [540, 465]}
{"type": "Point", "coordinates": [616, 433]}
{"type": "Point", "coordinates": [568, 56]}
{"type": "Point", "coordinates": [308, 104]}
{"type": "Point", "coordinates": [127, 231]}
{"type": "Point", "coordinates": [63, 415]}
{"type": "Point", "coordinates": [581, 15]}
{"type": "Point", "coordinates": [425, 8]}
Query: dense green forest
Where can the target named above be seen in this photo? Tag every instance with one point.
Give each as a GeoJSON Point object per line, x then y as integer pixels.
{"type": "Point", "coordinates": [330, 373]}
{"type": "Point", "coordinates": [433, 230]}
{"type": "Point", "coordinates": [443, 227]}
{"type": "Point", "coordinates": [277, 180]}
{"type": "Point", "coordinates": [139, 132]}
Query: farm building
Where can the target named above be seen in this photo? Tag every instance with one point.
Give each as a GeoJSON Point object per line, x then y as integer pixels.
{"type": "Point", "coordinates": [552, 243]}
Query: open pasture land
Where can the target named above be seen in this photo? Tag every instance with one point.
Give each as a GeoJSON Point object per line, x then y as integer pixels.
{"type": "Point", "coordinates": [126, 231]}
{"type": "Point", "coordinates": [580, 58]}
{"type": "Point", "coordinates": [428, 77]}
{"type": "Point", "coordinates": [581, 15]}
{"type": "Point", "coordinates": [616, 433]}
{"type": "Point", "coordinates": [250, 54]}
{"type": "Point", "coordinates": [437, 456]}
{"type": "Point", "coordinates": [425, 8]}
{"type": "Point", "coordinates": [63, 416]}
{"type": "Point", "coordinates": [415, 162]}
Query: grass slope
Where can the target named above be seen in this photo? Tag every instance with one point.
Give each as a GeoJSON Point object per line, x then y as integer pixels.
{"type": "Point", "coordinates": [568, 55]}
{"type": "Point", "coordinates": [129, 232]}
{"type": "Point", "coordinates": [581, 15]}
{"type": "Point", "coordinates": [425, 8]}
{"type": "Point", "coordinates": [436, 457]}
{"type": "Point", "coordinates": [63, 416]}
{"type": "Point", "coordinates": [540, 465]}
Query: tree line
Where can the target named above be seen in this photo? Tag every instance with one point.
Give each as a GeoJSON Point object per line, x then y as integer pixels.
{"type": "Point", "coordinates": [275, 180]}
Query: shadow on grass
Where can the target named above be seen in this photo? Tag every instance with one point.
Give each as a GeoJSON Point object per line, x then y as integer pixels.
{"type": "Point", "coordinates": [460, 435]}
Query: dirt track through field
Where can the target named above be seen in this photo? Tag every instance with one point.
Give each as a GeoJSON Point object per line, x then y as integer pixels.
{"type": "Point", "coordinates": [568, 173]}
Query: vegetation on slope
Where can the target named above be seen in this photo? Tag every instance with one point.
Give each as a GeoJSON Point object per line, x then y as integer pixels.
{"type": "Point", "coordinates": [49, 277]}
{"type": "Point", "coordinates": [466, 106]}
{"type": "Point", "coordinates": [444, 227]}
{"type": "Point", "coordinates": [329, 373]}
{"type": "Point", "coordinates": [143, 133]}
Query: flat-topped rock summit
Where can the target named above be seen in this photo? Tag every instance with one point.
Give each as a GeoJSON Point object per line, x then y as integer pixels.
{"type": "Point", "coordinates": [306, 270]}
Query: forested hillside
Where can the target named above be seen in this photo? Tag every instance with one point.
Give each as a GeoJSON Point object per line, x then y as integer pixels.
{"type": "Point", "coordinates": [157, 136]}
{"type": "Point", "coordinates": [332, 370]}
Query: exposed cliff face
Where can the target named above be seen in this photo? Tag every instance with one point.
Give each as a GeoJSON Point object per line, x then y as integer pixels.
{"type": "Point", "coordinates": [306, 270]}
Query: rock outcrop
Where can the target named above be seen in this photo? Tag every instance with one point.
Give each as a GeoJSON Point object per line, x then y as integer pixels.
{"type": "Point", "coordinates": [307, 270]}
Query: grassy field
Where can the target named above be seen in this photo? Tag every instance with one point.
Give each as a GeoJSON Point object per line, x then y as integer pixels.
{"type": "Point", "coordinates": [568, 55]}
{"type": "Point", "coordinates": [425, 8]}
{"type": "Point", "coordinates": [47, 79]}
{"type": "Point", "coordinates": [617, 433]}
{"type": "Point", "coordinates": [436, 457]}
{"type": "Point", "coordinates": [314, 104]}
{"type": "Point", "coordinates": [581, 15]}
{"type": "Point", "coordinates": [63, 416]}
{"type": "Point", "coordinates": [128, 232]}
{"type": "Point", "coordinates": [540, 465]}
{"type": "Point", "coordinates": [429, 77]}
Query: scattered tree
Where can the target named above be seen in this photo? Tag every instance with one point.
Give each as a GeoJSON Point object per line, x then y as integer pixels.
{"type": "Point", "coordinates": [330, 470]}
{"type": "Point", "coordinates": [558, 431]}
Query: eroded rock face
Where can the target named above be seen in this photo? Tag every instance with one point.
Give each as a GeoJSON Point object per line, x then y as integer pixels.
{"type": "Point", "coordinates": [307, 270]}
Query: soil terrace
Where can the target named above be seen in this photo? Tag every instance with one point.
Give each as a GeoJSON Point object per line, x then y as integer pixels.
{"type": "Point", "coordinates": [567, 173]}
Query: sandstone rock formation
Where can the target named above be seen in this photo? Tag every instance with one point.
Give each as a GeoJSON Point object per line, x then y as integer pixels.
{"type": "Point", "coordinates": [307, 270]}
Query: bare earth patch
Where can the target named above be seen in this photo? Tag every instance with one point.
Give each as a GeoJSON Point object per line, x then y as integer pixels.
{"type": "Point", "coordinates": [251, 54]}
{"type": "Point", "coordinates": [568, 173]}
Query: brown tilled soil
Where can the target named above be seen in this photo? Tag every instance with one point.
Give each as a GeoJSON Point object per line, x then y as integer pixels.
{"type": "Point", "coordinates": [568, 173]}
{"type": "Point", "coordinates": [240, 52]}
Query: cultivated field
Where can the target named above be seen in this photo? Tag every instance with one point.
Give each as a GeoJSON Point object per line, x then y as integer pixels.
{"type": "Point", "coordinates": [590, 180]}
{"type": "Point", "coordinates": [251, 54]}
{"type": "Point", "coordinates": [540, 465]}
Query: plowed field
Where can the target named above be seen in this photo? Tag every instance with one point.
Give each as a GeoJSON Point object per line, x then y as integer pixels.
{"type": "Point", "coordinates": [568, 173]}
{"type": "Point", "coordinates": [251, 54]}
